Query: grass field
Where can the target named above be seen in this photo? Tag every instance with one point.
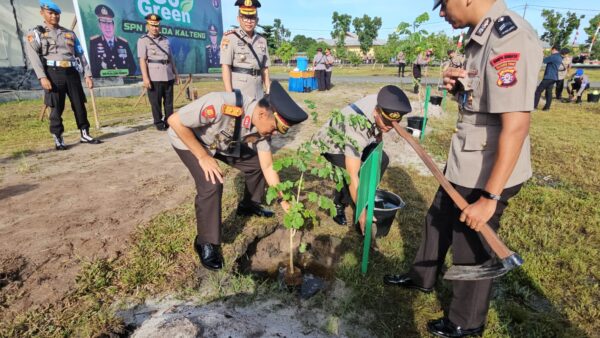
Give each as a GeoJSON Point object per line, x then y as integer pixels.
{"type": "Point", "coordinates": [553, 223]}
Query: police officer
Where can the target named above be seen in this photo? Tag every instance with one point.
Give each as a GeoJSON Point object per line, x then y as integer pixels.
{"type": "Point", "coordinates": [489, 156]}
{"type": "Point", "coordinates": [455, 60]}
{"type": "Point", "coordinates": [422, 60]}
{"type": "Point", "coordinates": [553, 62]}
{"type": "Point", "coordinates": [235, 129]}
{"type": "Point", "coordinates": [158, 70]}
{"type": "Point", "coordinates": [401, 60]}
{"type": "Point", "coordinates": [108, 51]}
{"type": "Point", "coordinates": [329, 60]}
{"type": "Point", "coordinates": [390, 104]}
{"type": "Point", "coordinates": [563, 71]}
{"type": "Point", "coordinates": [319, 62]}
{"type": "Point", "coordinates": [55, 55]}
{"type": "Point", "coordinates": [581, 82]}
{"type": "Point", "coordinates": [212, 50]}
{"type": "Point", "coordinates": [245, 54]}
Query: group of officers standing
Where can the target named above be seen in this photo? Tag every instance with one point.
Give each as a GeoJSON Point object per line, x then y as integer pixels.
{"type": "Point", "coordinates": [488, 161]}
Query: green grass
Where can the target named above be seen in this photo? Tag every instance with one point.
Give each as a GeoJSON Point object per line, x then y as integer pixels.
{"type": "Point", "coordinates": [553, 223]}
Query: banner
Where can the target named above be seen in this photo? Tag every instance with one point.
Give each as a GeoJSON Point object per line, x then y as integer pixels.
{"type": "Point", "coordinates": [109, 31]}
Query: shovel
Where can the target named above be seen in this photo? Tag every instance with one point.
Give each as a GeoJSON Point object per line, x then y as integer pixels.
{"type": "Point", "coordinates": [508, 260]}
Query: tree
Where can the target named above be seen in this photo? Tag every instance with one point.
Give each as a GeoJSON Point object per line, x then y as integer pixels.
{"type": "Point", "coordinates": [591, 30]}
{"type": "Point", "coordinates": [366, 29]}
{"type": "Point", "coordinates": [415, 40]}
{"type": "Point", "coordinates": [354, 58]}
{"type": "Point", "coordinates": [280, 33]}
{"type": "Point", "coordinates": [558, 28]}
{"type": "Point", "coordinates": [302, 43]}
{"type": "Point", "coordinates": [285, 52]}
{"type": "Point", "coordinates": [312, 49]}
{"type": "Point", "coordinates": [341, 26]}
{"type": "Point", "coordinates": [269, 34]}
{"type": "Point", "coordinates": [383, 54]}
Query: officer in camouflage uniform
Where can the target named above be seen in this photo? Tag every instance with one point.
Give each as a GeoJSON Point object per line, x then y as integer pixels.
{"type": "Point", "coordinates": [55, 55]}
{"type": "Point", "coordinates": [390, 104]}
{"type": "Point", "coordinates": [212, 50]}
{"type": "Point", "coordinates": [245, 54]}
{"type": "Point", "coordinates": [108, 51]}
{"type": "Point", "coordinates": [235, 129]}
{"type": "Point", "coordinates": [158, 70]}
{"type": "Point", "coordinates": [489, 157]}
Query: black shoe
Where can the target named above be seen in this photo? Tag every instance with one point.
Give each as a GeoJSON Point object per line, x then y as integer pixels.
{"type": "Point", "coordinates": [443, 327]}
{"type": "Point", "coordinates": [86, 138]}
{"type": "Point", "coordinates": [340, 216]}
{"type": "Point", "coordinates": [59, 142]}
{"type": "Point", "coordinates": [253, 209]}
{"type": "Point", "coordinates": [404, 281]}
{"type": "Point", "coordinates": [545, 109]}
{"type": "Point", "coordinates": [161, 127]}
{"type": "Point", "coordinates": [210, 255]}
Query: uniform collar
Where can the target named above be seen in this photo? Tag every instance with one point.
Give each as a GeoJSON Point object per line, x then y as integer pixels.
{"type": "Point", "coordinates": [483, 29]}
{"type": "Point", "coordinates": [244, 35]}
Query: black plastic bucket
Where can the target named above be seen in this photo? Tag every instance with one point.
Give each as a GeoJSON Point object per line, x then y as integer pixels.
{"type": "Point", "coordinates": [435, 100]}
{"type": "Point", "coordinates": [593, 97]}
{"type": "Point", "coordinates": [386, 206]}
{"type": "Point", "coordinates": [415, 122]}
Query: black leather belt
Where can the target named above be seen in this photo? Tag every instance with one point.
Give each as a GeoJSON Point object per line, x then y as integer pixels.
{"type": "Point", "coordinates": [253, 72]}
{"type": "Point", "coordinates": [164, 62]}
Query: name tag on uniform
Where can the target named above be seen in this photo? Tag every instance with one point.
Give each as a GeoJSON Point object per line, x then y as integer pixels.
{"type": "Point", "coordinates": [229, 110]}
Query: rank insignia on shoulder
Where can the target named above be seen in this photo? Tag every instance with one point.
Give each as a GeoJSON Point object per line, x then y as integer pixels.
{"type": "Point", "coordinates": [229, 32]}
{"type": "Point", "coordinates": [30, 37]}
{"type": "Point", "coordinates": [209, 112]}
{"type": "Point", "coordinates": [229, 110]}
{"type": "Point", "coordinates": [484, 25]}
{"type": "Point", "coordinates": [506, 65]}
{"type": "Point", "coordinates": [504, 25]}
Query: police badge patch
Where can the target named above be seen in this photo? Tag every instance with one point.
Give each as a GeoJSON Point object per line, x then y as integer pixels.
{"type": "Point", "coordinates": [506, 65]}
{"type": "Point", "coordinates": [209, 112]}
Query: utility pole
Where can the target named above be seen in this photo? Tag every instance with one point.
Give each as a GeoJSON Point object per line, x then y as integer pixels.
{"type": "Point", "coordinates": [524, 10]}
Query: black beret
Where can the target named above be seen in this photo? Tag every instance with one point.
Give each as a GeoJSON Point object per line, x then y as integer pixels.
{"type": "Point", "coordinates": [284, 107]}
{"type": "Point", "coordinates": [392, 100]}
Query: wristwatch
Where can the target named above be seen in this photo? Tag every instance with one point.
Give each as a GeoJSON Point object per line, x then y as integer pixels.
{"type": "Point", "coordinates": [490, 196]}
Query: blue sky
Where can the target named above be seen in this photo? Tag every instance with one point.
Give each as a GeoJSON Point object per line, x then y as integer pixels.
{"type": "Point", "coordinates": [313, 17]}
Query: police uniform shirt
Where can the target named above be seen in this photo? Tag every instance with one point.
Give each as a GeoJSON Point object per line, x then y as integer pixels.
{"type": "Point", "coordinates": [207, 119]}
{"type": "Point", "coordinates": [503, 57]}
{"type": "Point", "coordinates": [236, 53]}
{"type": "Point", "coordinates": [362, 136]}
{"type": "Point", "coordinates": [58, 44]}
{"type": "Point", "coordinates": [401, 58]}
{"type": "Point", "coordinates": [150, 51]}
{"type": "Point", "coordinates": [330, 61]}
{"type": "Point", "coordinates": [457, 61]}
{"type": "Point", "coordinates": [319, 61]}
{"type": "Point", "coordinates": [102, 56]}
{"type": "Point", "coordinates": [564, 67]}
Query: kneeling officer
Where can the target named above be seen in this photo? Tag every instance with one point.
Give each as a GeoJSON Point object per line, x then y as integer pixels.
{"type": "Point", "coordinates": [236, 130]}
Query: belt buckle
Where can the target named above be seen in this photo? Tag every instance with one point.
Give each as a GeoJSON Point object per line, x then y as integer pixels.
{"type": "Point", "coordinates": [64, 64]}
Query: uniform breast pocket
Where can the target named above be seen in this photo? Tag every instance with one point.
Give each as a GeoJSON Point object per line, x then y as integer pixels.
{"type": "Point", "coordinates": [482, 139]}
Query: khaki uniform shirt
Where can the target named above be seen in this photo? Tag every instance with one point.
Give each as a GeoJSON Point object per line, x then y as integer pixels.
{"type": "Point", "coordinates": [503, 58]}
{"type": "Point", "coordinates": [319, 61]}
{"type": "Point", "coordinates": [330, 61]}
{"type": "Point", "coordinates": [205, 116]}
{"type": "Point", "coordinates": [401, 58]}
{"type": "Point", "coordinates": [457, 61]}
{"type": "Point", "coordinates": [58, 44]}
{"type": "Point", "coordinates": [564, 67]}
{"type": "Point", "coordinates": [363, 137]}
{"type": "Point", "coordinates": [235, 53]}
{"type": "Point", "coordinates": [103, 57]}
{"type": "Point", "coordinates": [146, 49]}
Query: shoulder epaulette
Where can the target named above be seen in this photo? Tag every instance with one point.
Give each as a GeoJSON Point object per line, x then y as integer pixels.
{"type": "Point", "coordinates": [122, 39]}
{"type": "Point", "coordinates": [505, 25]}
{"type": "Point", "coordinates": [94, 37]}
{"type": "Point", "coordinates": [229, 32]}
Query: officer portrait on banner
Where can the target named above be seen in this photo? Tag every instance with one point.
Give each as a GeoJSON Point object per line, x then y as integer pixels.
{"type": "Point", "coordinates": [213, 49]}
{"type": "Point", "coordinates": [109, 55]}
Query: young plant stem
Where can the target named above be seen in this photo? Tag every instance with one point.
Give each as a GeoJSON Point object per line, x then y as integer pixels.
{"type": "Point", "coordinates": [293, 231]}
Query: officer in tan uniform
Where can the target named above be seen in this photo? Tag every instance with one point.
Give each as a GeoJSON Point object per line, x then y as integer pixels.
{"type": "Point", "coordinates": [245, 54]}
{"type": "Point", "coordinates": [379, 110]}
{"type": "Point", "coordinates": [158, 70]}
{"type": "Point", "coordinates": [235, 129]}
{"type": "Point", "coordinates": [107, 51]}
{"type": "Point", "coordinates": [563, 71]}
{"type": "Point", "coordinates": [56, 55]}
{"type": "Point", "coordinates": [489, 158]}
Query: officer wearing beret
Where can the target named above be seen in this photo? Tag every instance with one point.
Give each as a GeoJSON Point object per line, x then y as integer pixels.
{"type": "Point", "coordinates": [158, 70]}
{"type": "Point", "coordinates": [489, 157]}
{"type": "Point", "coordinates": [380, 110]}
{"type": "Point", "coordinates": [212, 50]}
{"type": "Point", "coordinates": [245, 54]}
{"type": "Point", "coordinates": [107, 51]}
{"type": "Point", "coordinates": [56, 56]}
{"type": "Point", "coordinates": [235, 129]}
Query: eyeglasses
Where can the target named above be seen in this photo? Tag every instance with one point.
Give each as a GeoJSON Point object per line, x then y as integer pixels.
{"type": "Point", "coordinates": [248, 18]}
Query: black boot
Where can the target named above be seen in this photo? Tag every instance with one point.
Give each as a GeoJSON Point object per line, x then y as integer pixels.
{"type": "Point", "coordinates": [59, 142]}
{"type": "Point", "coordinates": [209, 254]}
{"type": "Point", "coordinates": [340, 216]}
{"type": "Point", "coordinates": [86, 138]}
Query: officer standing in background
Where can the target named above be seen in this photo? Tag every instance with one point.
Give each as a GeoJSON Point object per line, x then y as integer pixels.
{"type": "Point", "coordinates": [212, 50]}
{"type": "Point", "coordinates": [158, 70]}
{"type": "Point", "coordinates": [563, 71]}
{"type": "Point", "coordinates": [422, 61]}
{"type": "Point", "coordinates": [319, 67]}
{"type": "Point", "coordinates": [245, 54]}
{"type": "Point", "coordinates": [380, 109]}
{"type": "Point", "coordinates": [235, 129]}
{"type": "Point", "coordinates": [401, 59]}
{"type": "Point", "coordinates": [455, 60]}
{"type": "Point", "coordinates": [489, 157]}
{"type": "Point", "coordinates": [55, 55]}
{"type": "Point", "coordinates": [329, 60]}
{"type": "Point", "coordinates": [108, 51]}
{"type": "Point", "coordinates": [553, 63]}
